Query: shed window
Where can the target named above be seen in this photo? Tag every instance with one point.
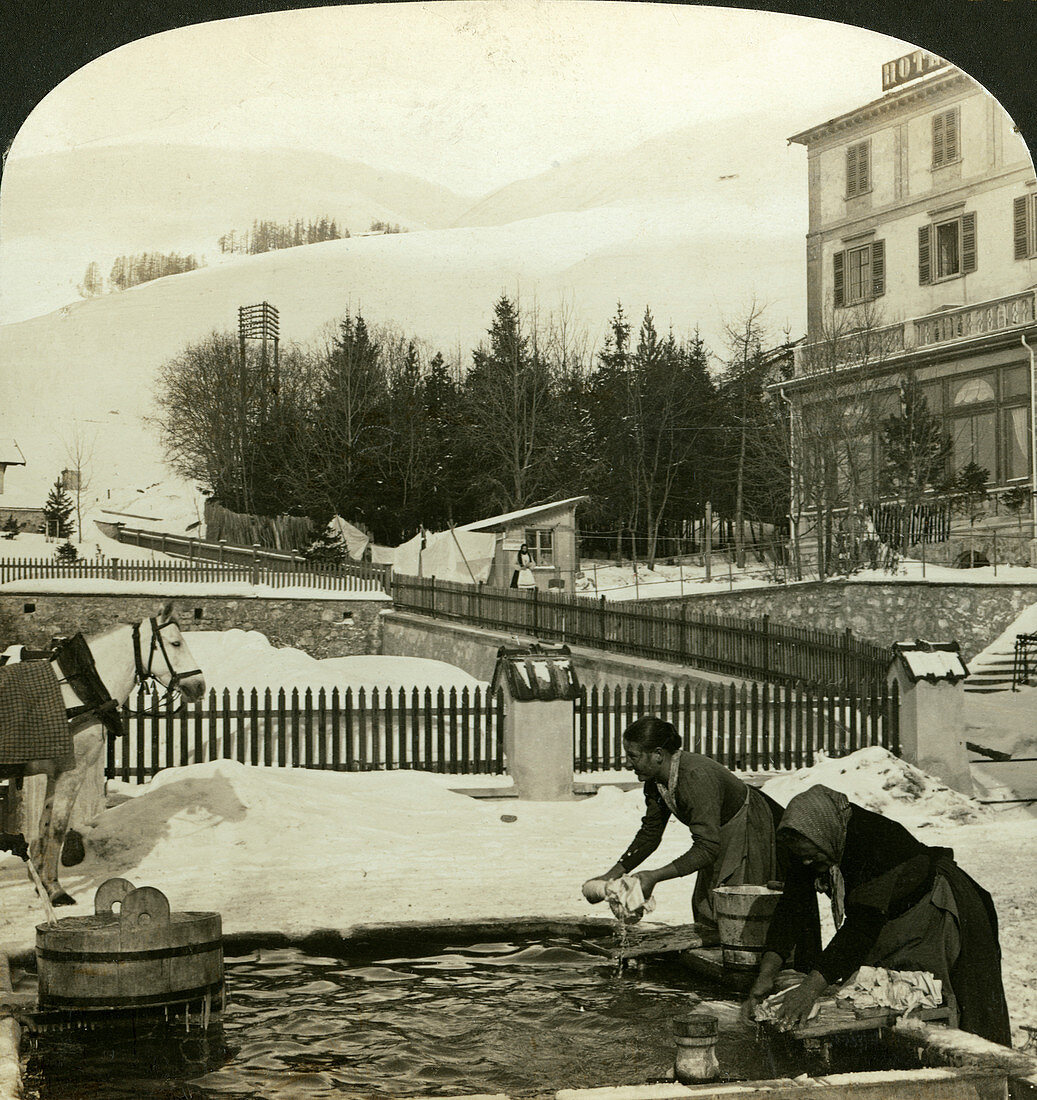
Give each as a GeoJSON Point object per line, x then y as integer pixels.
{"type": "Point", "coordinates": [540, 541]}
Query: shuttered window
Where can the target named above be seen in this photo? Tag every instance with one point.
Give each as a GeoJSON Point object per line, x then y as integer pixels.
{"type": "Point", "coordinates": [859, 274]}
{"type": "Point", "coordinates": [945, 137]}
{"type": "Point", "coordinates": [947, 249]}
{"type": "Point", "coordinates": [858, 169]}
{"type": "Point", "coordinates": [1024, 226]}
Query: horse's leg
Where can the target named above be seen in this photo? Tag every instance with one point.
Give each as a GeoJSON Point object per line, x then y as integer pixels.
{"type": "Point", "coordinates": [12, 825]}
{"type": "Point", "coordinates": [57, 810]}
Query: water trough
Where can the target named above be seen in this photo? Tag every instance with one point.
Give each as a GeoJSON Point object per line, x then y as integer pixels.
{"type": "Point", "coordinates": [677, 968]}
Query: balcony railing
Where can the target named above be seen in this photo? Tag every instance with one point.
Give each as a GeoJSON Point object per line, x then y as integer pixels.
{"type": "Point", "coordinates": [977, 320]}
{"type": "Point", "coordinates": [874, 345]}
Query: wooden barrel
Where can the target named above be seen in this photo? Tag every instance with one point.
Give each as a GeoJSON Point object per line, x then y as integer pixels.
{"type": "Point", "coordinates": [743, 916]}
{"type": "Point", "coordinates": [141, 957]}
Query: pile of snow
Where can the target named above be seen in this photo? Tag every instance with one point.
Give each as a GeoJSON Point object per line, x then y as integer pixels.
{"type": "Point", "coordinates": [166, 507]}
{"type": "Point", "coordinates": [1004, 720]}
{"type": "Point", "coordinates": [246, 659]}
{"type": "Point", "coordinates": [879, 781]}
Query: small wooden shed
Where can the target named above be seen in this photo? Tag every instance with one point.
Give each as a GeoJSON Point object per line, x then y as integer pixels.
{"type": "Point", "coordinates": [549, 532]}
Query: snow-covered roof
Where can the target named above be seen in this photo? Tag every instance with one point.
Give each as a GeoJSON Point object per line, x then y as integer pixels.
{"type": "Point", "coordinates": [932, 661]}
{"type": "Point", "coordinates": [11, 453]}
{"type": "Point", "coordinates": [522, 513]}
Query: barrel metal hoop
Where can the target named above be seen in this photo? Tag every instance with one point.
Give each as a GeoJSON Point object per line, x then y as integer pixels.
{"type": "Point", "coordinates": [131, 1000]}
{"type": "Point", "coordinates": [54, 955]}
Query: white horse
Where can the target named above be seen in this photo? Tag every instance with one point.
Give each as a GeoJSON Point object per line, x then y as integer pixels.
{"type": "Point", "coordinates": [118, 657]}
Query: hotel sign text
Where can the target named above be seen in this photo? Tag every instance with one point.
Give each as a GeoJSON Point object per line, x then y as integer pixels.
{"type": "Point", "coordinates": [909, 67]}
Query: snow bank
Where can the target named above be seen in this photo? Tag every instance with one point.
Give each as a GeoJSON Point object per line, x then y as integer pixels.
{"type": "Point", "coordinates": [246, 659]}
{"type": "Point", "coordinates": [877, 780]}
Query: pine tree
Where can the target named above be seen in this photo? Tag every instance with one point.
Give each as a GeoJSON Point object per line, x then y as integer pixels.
{"type": "Point", "coordinates": [57, 512]}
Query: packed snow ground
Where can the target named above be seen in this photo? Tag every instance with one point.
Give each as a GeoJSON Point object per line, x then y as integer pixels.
{"type": "Point", "coordinates": [624, 581]}
{"type": "Point", "coordinates": [294, 851]}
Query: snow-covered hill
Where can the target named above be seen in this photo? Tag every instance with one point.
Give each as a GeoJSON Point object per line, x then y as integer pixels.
{"type": "Point", "coordinates": [150, 197]}
{"type": "Point", "coordinates": [95, 361]}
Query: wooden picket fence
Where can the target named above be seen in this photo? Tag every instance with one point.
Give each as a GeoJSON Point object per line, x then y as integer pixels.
{"type": "Point", "coordinates": [754, 727]}
{"type": "Point", "coordinates": [456, 732]}
{"type": "Point", "coordinates": [282, 575]}
{"type": "Point", "coordinates": [757, 650]}
{"type": "Point", "coordinates": [749, 728]}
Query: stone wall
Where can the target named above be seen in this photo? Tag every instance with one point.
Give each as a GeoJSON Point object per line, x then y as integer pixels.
{"type": "Point", "coordinates": [332, 627]}
{"type": "Point", "coordinates": [971, 614]}
{"type": "Point", "coordinates": [475, 648]}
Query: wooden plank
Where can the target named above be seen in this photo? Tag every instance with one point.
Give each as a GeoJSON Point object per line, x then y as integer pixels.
{"type": "Point", "coordinates": [653, 940]}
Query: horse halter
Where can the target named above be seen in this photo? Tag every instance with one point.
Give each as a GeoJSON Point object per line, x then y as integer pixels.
{"type": "Point", "coordinates": [146, 674]}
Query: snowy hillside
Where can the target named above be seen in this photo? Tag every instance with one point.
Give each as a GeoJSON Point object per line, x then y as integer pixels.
{"type": "Point", "coordinates": [96, 360]}
{"type": "Point", "coordinates": [149, 197]}
{"type": "Point", "coordinates": [695, 167]}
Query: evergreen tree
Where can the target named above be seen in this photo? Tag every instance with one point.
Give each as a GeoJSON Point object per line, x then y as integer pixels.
{"type": "Point", "coordinates": [915, 452]}
{"type": "Point", "coordinates": [57, 512]}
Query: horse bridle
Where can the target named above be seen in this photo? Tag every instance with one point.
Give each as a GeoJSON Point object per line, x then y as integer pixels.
{"type": "Point", "coordinates": [146, 674]}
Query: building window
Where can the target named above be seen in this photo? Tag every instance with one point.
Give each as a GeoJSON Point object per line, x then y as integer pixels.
{"type": "Point", "coordinates": [975, 440]}
{"type": "Point", "coordinates": [858, 169]}
{"type": "Point", "coordinates": [945, 137]}
{"type": "Point", "coordinates": [540, 541]}
{"type": "Point", "coordinates": [859, 273]}
{"type": "Point", "coordinates": [1016, 442]}
{"type": "Point", "coordinates": [1024, 226]}
{"type": "Point", "coordinates": [947, 249]}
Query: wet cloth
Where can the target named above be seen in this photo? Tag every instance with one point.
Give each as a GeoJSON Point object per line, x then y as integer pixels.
{"type": "Point", "coordinates": [766, 1011]}
{"type": "Point", "coordinates": [627, 900]}
{"type": "Point", "coordinates": [903, 991]}
{"type": "Point", "coordinates": [731, 823]}
{"type": "Point", "coordinates": [33, 723]}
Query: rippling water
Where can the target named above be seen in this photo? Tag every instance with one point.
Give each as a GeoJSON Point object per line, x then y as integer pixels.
{"type": "Point", "coordinates": [488, 1017]}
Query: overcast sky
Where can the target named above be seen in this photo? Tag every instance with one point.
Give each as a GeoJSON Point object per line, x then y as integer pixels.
{"type": "Point", "coordinates": [469, 95]}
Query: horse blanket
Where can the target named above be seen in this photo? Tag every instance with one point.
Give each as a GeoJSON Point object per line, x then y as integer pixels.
{"type": "Point", "coordinates": [33, 722]}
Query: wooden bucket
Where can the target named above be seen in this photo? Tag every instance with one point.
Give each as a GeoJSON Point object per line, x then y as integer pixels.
{"type": "Point", "coordinates": [743, 916]}
{"type": "Point", "coordinates": [141, 957]}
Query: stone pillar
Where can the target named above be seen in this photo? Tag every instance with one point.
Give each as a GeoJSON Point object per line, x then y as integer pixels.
{"type": "Point", "coordinates": [538, 744]}
{"type": "Point", "coordinates": [539, 685]}
{"type": "Point", "coordinates": [932, 717]}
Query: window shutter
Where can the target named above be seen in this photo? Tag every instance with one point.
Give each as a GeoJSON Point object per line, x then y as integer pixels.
{"type": "Point", "coordinates": [851, 170]}
{"type": "Point", "coordinates": [950, 127]}
{"type": "Point", "coordinates": [924, 276]}
{"type": "Point", "coordinates": [838, 266]}
{"type": "Point", "coordinates": [1019, 233]}
{"type": "Point", "coordinates": [878, 268]}
{"type": "Point", "coordinates": [938, 139]}
{"type": "Point", "coordinates": [968, 243]}
{"type": "Point", "coordinates": [863, 168]}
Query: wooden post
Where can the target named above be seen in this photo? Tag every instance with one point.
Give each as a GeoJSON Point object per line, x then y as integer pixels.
{"type": "Point", "coordinates": [707, 553]}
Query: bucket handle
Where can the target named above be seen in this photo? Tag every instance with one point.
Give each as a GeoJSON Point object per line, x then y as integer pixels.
{"type": "Point", "coordinates": [110, 892]}
{"type": "Point", "coordinates": [143, 908]}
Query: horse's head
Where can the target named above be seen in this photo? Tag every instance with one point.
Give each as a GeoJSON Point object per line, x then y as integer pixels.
{"type": "Point", "coordinates": [169, 660]}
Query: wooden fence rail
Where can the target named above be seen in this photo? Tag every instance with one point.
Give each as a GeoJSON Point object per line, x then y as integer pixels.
{"type": "Point", "coordinates": [199, 571]}
{"type": "Point", "coordinates": [757, 650]}
{"type": "Point", "coordinates": [755, 728]}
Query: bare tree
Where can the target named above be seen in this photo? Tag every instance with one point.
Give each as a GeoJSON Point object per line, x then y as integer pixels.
{"type": "Point", "coordinates": [79, 453]}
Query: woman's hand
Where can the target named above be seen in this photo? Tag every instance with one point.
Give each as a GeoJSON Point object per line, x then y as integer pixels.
{"type": "Point", "coordinates": [648, 880]}
{"type": "Point", "coordinates": [796, 1004]}
{"type": "Point", "coordinates": [763, 986]}
{"type": "Point", "coordinates": [594, 889]}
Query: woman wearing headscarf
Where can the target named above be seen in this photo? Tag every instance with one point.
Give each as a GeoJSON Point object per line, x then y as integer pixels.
{"type": "Point", "coordinates": [732, 824]}
{"type": "Point", "coordinates": [897, 904]}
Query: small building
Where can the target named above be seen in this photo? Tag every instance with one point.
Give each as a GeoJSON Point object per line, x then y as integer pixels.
{"type": "Point", "coordinates": [549, 533]}
{"type": "Point", "coordinates": [10, 455]}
